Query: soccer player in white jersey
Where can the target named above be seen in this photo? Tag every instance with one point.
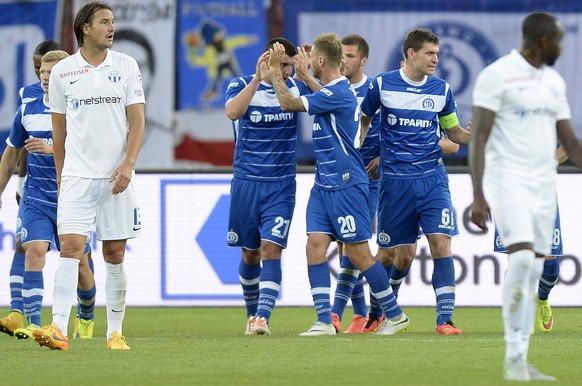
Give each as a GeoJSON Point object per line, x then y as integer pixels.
{"type": "Point", "coordinates": [551, 270]}
{"type": "Point", "coordinates": [350, 282]}
{"type": "Point", "coordinates": [97, 103]}
{"type": "Point", "coordinates": [263, 186]}
{"type": "Point", "coordinates": [15, 319]}
{"type": "Point", "coordinates": [414, 192]}
{"type": "Point", "coordinates": [32, 130]}
{"type": "Point", "coordinates": [520, 112]}
{"type": "Point", "coordinates": [337, 207]}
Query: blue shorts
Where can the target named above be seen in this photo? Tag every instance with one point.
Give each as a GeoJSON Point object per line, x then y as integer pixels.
{"type": "Point", "coordinates": [341, 214]}
{"type": "Point", "coordinates": [373, 192]}
{"type": "Point", "coordinates": [260, 211]}
{"type": "Point", "coordinates": [406, 205]}
{"type": "Point", "coordinates": [39, 223]}
{"type": "Point", "coordinates": [557, 247]}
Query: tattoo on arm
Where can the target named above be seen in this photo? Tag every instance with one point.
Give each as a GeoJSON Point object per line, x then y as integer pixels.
{"type": "Point", "coordinates": [286, 99]}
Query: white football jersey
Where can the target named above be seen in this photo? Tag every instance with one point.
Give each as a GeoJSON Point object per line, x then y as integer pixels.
{"type": "Point", "coordinates": [528, 102]}
{"type": "Point", "coordinates": [94, 100]}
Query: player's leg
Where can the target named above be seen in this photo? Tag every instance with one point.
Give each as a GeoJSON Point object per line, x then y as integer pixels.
{"type": "Point", "coordinates": [346, 281]}
{"type": "Point", "coordinates": [15, 319]}
{"type": "Point", "coordinates": [437, 220]}
{"type": "Point", "coordinates": [550, 275]}
{"type": "Point", "coordinates": [320, 282]}
{"type": "Point", "coordinates": [277, 205]}
{"type": "Point", "coordinates": [443, 282]}
{"type": "Point", "coordinates": [320, 231]}
{"type": "Point", "coordinates": [243, 225]}
{"type": "Point", "coordinates": [396, 321]}
{"type": "Point", "coordinates": [33, 286]}
{"type": "Point", "coordinates": [269, 286]}
{"type": "Point", "coordinates": [86, 291]}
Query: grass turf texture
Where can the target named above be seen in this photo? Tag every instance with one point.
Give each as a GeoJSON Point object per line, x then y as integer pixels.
{"type": "Point", "coordinates": [207, 346]}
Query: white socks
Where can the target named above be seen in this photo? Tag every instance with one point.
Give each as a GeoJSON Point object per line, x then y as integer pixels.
{"type": "Point", "coordinates": [519, 302]}
{"type": "Point", "coordinates": [115, 289]}
{"type": "Point", "coordinates": [65, 291]}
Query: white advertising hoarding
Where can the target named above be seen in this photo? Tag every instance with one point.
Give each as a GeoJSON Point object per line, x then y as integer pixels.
{"type": "Point", "coordinates": [182, 258]}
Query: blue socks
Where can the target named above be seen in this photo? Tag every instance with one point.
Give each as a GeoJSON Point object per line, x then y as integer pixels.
{"type": "Point", "coordinates": [380, 287]}
{"type": "Point", "coordinates": [269, 287]}
{"type": "Point", "coordinates": [549, 278]}
{"type": "Point", "coordinates": [346, 281]}
{"type": "Point", "coordinates": [320, 289]}
{"type": "Point", "coordinates": [443, 282]}
{"type": "Point", "coordinates": [32, 295]}
{"type": "Point", "coordinates": [16, 281]}
{"type": "Point", "coordinates": [249, 276]}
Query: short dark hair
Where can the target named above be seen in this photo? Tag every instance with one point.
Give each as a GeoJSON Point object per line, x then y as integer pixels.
{"type": "Point", "coordinates": [538, 24]}
{"type": "Point", "coordinates": [357, 40]}
{"type": "Point", "coordinates": [290, 49]}
{"type": "Point", "coordinates": [46, 46]}
{"type": "Point", "coordinates": [416, 38]}
{"type": "Point", "coordinates": [136, 37]}
{"type": "Point", "coordinates": [85, 16]}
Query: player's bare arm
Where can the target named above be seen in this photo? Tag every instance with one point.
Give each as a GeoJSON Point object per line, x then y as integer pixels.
{"type": "Point", "coordinates": [237, 106]}
{"type": "Point", "coordinates": [459, 135]}
{"type": "Point", "coordinates": [372, 168]}
{"type": "Point", "coordinates": [59, 135]}
{"type": "Point", "coordinates": [364, 128]}
{"type": "Point", "coordinates": [122, 175]}
{"type": "Point", "coordinates": [38, 145]}
{"type": "Point", "coordinates": [569, 141]}
{"type": "Point", "coordinates": [287, 101]}
{"type": "Point", "coordinates": [481, 128]}
{"type": "Point", "coordinates": [7, 167]}
{"type": "Point", "coordinates": [561, 154]}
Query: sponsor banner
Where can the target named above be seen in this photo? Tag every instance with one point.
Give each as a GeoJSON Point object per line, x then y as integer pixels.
{"type": "Point", "coordinates": [468, 42]}
{"type": "Point", "coordinates": [216, 42]}
{"type": "Point", "coordinates": [23, 25]}
{"type": "Point", "coordinates": [145, 30]}
{"type": "Point", "coordinates": [182, 258]}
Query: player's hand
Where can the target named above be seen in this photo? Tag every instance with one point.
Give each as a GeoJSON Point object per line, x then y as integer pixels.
{"type": "Point", "coordinates": [262, 70]}
{"type": "Point", "coordinates": [121, 178]}
{"type": "Point", "coordinates": [372, 168]}
{"type": "Point", "coordinates": [276, 55]}
{"type": "Point", "coordinates": [302, 64]}
{"type": "Point", "coordinates": [37, 145]}
{"type": "Point", "coordinates": [480, 212]}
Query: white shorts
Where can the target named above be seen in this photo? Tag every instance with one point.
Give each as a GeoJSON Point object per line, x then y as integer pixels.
{"type": "Point", "coordinates": [87, 203]}
{"type": "Point", "coordinates": [523, 212]}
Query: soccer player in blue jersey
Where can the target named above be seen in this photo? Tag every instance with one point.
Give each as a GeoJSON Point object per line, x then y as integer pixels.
{"type": "Point", "coordinates": [337, 207]}
{"type": "Point", "coordinates": [263, 186]}
{"type": "Point", "coordinates": [350, 281]}
{"type": "Point", "coordinates": [32, 131]}
{"type": "Point", "coordinates": [414, 191]}
{"type": "Point", "coordinates": [15, 319]}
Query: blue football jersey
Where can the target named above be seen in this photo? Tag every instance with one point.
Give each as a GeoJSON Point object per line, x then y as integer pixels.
{"type": "Point", "coordinates": [370, 149]}
{"type": "Point", "coordinates": [30, 92]}
{"type": "Point", "coordinates": [265, 137]}
{"type": "Point", "coordinates": [410, 113]}
{"type": "Point", "coordinates": [33, 119]}
{"type": "Point", "coordinates": [336, 135]}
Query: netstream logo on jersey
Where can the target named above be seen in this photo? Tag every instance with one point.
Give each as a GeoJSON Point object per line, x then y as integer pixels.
{"type": "Point", "coordinates": [411, 122]}
{"type": "Point", "coordinates": [256, 117]}
{"type": "Point", "coordinates": [522, 113]}
{"type": "Point", "coordinates": [76, 104]}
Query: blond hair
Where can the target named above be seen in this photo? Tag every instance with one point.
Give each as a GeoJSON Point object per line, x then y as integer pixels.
{"type": "Point", "coordinates": [54, 56]}
{"type": "Point", "coordinates": [330, 47]}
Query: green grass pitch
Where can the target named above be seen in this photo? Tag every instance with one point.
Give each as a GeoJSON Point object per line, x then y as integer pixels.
{"type": "Point", "coordinates": [207, 346]}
